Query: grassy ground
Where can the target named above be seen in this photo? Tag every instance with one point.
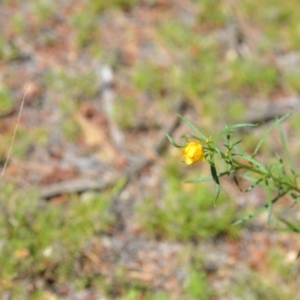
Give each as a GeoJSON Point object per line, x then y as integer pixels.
{"type": "Point", "coordinates": [103, 82]}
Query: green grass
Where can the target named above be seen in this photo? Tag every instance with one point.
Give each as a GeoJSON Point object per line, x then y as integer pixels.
{"type": "Point", "coordinates": [187, 214]}
{"type": "Point", "coordinates": [75, 88]}
{"type": "Point", "coordinates": [101, 5]}
{"type": "Point", "coordinates": [250, 77]}
{"type": "Point", "coordinates": [278, 22]}
{"type": "Point", "coordinates": [70, 129]}
{"type": "Point", "coordinates": [292, 81]}
{"type": "Point", "coordinates": [44, 10]}
{"type": "Point", "coordinates": [255, 286]}
{"type": "Point", "coordinates": [125, 118]}
{"type": "Point", "coordinates": [6, 100]}
{"type": "Point", "coordinates": [147, 77]}
{"type": "Point", "coordinates": [236, 110]}
{"type": "Point", "coordinates": [86, 22]}
{"type": "Point", "coordinates": [21, 146]}
{"type": "Point", "coordinates": [43, 240]}
{"type": "Point", "coordinates": [8, 50]}
{"type": "Point", "coordinates": [23, 141]}
{"type": "Point", "coordinates": [85, 28]}
{"type": "Point", "coordinates": [288, 271]}
{"type": "Point", "coordinates": [18, 23]}
{"type": "Point", "coordinates": [197, 286]}
{"type": "Point", "coordinates": [135, 294]}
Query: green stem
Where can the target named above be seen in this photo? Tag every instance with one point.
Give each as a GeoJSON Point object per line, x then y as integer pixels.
{"type": "Point", "coordinates": [237, 165]}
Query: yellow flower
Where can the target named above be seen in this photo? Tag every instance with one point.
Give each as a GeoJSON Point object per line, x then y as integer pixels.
{"type": "Point", "coordinates": [192, 153]}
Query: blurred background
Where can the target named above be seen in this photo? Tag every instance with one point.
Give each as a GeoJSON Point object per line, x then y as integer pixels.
{"type": "Point", "coordinates": [93, 200]}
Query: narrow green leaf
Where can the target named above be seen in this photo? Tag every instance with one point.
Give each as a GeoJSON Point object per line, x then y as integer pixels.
{"type": "Point", "coordinates": [291, 226]}
{"type": "Point", "coordinates": [192, 126]}
{"type": "Point", "coordinates": [255, 162]}
{"type": "Point", "coordinates": [192, 136]}
{"type": "Point", "coordinates": [226, 131]}
{"type": "Point", "coordinates": [256, 183]}
{"type": "Point", "coordinates": [268, 132]}
{"type": "Point", "coordinates": [215, 177]}
{"type": "Point", "coordinates": [229, 130]}
{"type": "Point", "coordinates": [198, 180]}
{"type": "Point", "coordinates": [213, 149]}
{"type": "Point", "coordinates": [285, 149]}
{"type": "Point", "coordinates": [203, 179]}
{"type": "Point", "coordinates": [173, 142]}
{"type": "Point", "coordinates": [259, 211]}
{"type": "Point", "coordinates": [218, 151]}
{"type": "Point", "coordinates": [250, 216]}
{"type": "Point", "coordinates": [270, 204]}
{"type": "Point", "coordinates": [214, 174]}
{"type": "Point", "coordinates": [295, 196]}
{"type": "Point", "coordinates": [242, 125]}
{"type": "Point", "coordinates": [228, 139]}
{"type": "Point", "coordinates": [250, 179]}
{"type": "Point", "coordinates": [277, 169]}
{"type": "Point", "coordinates": [236, 182]}
{"type": "Point", "coordinates": [218, 189]}
{"type": "Point", "coordinates": [236, 143]}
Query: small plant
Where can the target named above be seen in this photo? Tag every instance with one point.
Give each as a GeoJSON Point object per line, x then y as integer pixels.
{"type": "Point", "coordinates": [42, 240]}
{"type": "Point", "coordinates": [186, 215]}
{"type": "Point", "coordinates": [18, 23]}
{"type": "Point", "coordinates": [251, 76]}
{"type": "Point", "coordinates": [278, 179]}
{"type": "Point", "coordinates": [44, 10]}
{"type": "Point", "coordinates": [125, 118]}
{"type": "Point", "coordinates": [85, 25]}
{"type": "Point", "coordinates": [8, 50]}
{"type": "Point", "coordinates": [197, 286]}
{"type": "Point", "coordinates": [6, 100]}
{"type": "Point", "coordinates": [100, 5]}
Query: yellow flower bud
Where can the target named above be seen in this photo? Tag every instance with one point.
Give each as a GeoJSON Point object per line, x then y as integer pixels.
{"type": "Point", "coordinates": [192, 153]}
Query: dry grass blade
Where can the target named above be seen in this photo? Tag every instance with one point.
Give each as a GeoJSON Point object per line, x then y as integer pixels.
{"type": "Point", "coordinates": [15, 132]}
